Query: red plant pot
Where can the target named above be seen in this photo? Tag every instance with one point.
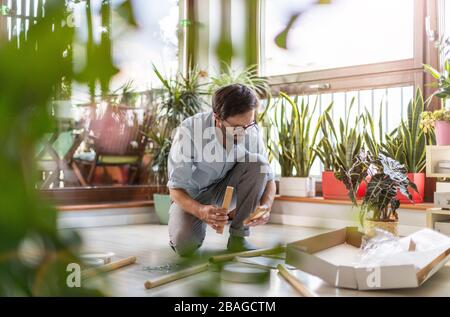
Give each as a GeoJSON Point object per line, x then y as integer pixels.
{"type": "Point", "coordinates": [442, 132]}
{"type": "Point", "coordinates": [332, 188]}
{"type": "Point", "coordinates": [417, 197]}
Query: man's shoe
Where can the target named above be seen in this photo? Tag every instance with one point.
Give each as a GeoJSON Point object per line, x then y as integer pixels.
{"type": "Point", "coordinates": [239, 244]}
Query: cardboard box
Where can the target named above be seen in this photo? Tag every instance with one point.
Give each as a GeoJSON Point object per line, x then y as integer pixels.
{"type": "Point", "coordinates": [335, 257]}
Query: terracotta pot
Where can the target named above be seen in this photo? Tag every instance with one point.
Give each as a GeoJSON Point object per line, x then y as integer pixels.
{"type": "Point", "coordinates": [332, 188]}
{"type": "Point", "coordinates": [442, 129]}
{"type": "Point", "coordinates": [417, 197]}
{"type": "Point", "coordinates": [389, 226]}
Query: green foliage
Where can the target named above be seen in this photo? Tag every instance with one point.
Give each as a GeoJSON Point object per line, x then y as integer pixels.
{"type": "Point", "coordinates": [24, 219]}
{"type": "Point", "coordinates": [248, 77]}
{"type": "Point", "coordinates": [374, 137]}
{"type": "Point", "coordinates": [281, 40]}
{"type": "Point", "coordinates": [33, 254]}
{"type": "Point", "coordinates": [295, 142]}
{"type": "Point", "coordinates": [340, 145]}
{"type": "Point", "coordinates": [443, 80]}
{"type": "Point", "coordinates": [386, 177]}
{"type": "Point", "coordinates": [124, 95]}
{"type": "Point", "coordinates": [407, 144]}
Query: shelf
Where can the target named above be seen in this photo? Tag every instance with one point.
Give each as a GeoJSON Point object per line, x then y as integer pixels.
{"type": "Point", "coordinates": [436, 214]}
{"type": "Point", "coordinates": [321, 200]}
{"type": "Point", "coordinates": [114, 205]}
{"type": "Point", "coordinates": [434, 155]}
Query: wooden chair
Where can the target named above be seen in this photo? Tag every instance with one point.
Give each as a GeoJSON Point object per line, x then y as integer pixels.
{"type": "Point", "coordinates": [115, 134]}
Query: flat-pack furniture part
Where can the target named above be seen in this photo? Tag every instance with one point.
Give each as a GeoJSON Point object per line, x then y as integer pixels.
{"type": "Point", "coordinates": [303, 254]}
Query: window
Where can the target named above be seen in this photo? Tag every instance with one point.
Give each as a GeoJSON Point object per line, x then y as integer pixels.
{"type": "Point", "coordinates": [393, 102]}
{"type": "Point", "coordinates": [370, 50]}
{"type": "Point", "coordinates": [154, 41]}
{"type": "Point", "coordinates": [343, 33]}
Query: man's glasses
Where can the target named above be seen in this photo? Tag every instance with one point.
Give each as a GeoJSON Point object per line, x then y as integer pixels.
{"type": "Point", "coordinates": [239, 130]}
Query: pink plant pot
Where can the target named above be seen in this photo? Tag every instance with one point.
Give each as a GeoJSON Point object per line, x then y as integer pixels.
{"type": "Point", "coordinates": [442, 132]}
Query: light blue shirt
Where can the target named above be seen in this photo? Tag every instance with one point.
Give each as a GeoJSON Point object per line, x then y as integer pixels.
{"type": "Point", "coordinates": [198, 159]}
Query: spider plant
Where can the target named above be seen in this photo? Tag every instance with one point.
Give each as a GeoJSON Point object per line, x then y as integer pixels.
{"type": "Point", "coordinates": [125, 95]}
{"type": "Point", "coordinates": [248, 77]}
{"type": "Point", "coordinates": [296, 134]}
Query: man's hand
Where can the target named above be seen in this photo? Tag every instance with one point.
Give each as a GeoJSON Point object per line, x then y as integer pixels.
{"type": "Point", "coordinates": [214, 216]}
{"type": "Point", "coordinates": [262, 220]}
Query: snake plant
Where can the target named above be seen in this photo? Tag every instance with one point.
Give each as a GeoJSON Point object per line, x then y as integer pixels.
{"type": "Point", "coordinates": [407, 144]}
{"type": "Point", "coordinates": [340, 145]}
{"type": "Point", "coordinates": [296, 131]}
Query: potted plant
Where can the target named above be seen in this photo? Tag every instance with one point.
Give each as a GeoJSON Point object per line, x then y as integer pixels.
{"type": "Point", "coordinates": [62, 103]}
{"type": "Point", "coordinates": [442, 84]}
{"type": "Point", "coordinates": [407, 144]}
{"type": "Point", "coordinates": [385, 177]}
{"type": "Point", "coordinates": [248, 77]}
{"type": "Point", "coordinates": [294, 144]}
{"type": "Point", "coordinates": [440, 118]}
{"type": "Point", "coordinates": [181, 98]}
{"type": "Point", "coordinates": [337, 150]}
{"type": "Point", "coordinates": [125, 95]}
{"type": "Point", "coordinates": [439, 122]}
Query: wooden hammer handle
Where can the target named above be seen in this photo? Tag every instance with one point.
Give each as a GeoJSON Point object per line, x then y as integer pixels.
{"type": "Point", "coordinates": [226, 203]}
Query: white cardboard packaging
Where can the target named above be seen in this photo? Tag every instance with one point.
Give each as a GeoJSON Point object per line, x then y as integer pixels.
{"type": "Point", "coordinates": [335, 257]}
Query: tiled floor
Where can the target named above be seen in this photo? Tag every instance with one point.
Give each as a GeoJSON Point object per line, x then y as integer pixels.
{"type": "Point", "coordinates": [149, 243]}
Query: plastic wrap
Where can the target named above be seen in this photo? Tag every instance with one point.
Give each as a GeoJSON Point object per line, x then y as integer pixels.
{"type": "Point", "coordinates": [418, 249]}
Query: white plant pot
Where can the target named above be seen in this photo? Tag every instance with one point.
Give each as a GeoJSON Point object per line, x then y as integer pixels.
{"type": "Point", "coordinates": [298, 186]}
{"type": "Point", "coordinates": [63, 109]}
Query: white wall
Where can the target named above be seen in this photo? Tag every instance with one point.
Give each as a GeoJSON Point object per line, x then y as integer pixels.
{"type": "Point", "coordinates": [332, 216]}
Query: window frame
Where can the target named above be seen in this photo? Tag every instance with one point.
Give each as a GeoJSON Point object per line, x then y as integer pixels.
{"type": "Point", "coordinates": [377, 75]}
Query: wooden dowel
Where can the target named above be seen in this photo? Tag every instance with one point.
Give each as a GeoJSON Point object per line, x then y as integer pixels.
{"type": "Point", "coordinates": [299, 286]}
{"type": "Point", "coordinates": [231, 256]}
{"type": "Point", "coordinates": [176, 276]}
{"type": "Point", "coordinates": [226, 203]}
{"type": "Point", "coordinates": [107, 267]}
{"type": "Point", "coordinates": [274, 256]}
